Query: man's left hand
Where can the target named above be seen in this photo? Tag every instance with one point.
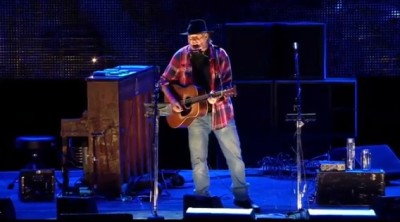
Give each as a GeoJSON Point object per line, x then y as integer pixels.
{"type": "Point", "coordinates": [213, 99]}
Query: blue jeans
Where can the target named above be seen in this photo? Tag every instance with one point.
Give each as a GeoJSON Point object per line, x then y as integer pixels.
{"type": "Point", "coordinates": [229, 143]}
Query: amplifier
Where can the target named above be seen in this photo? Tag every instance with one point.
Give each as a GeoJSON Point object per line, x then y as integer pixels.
{"type": "Point", "coordinates": [349, 187]}
{"type": "Point", "coordinates": [36, 185]}
{"type": "Point", "coordinates": [332, 166]}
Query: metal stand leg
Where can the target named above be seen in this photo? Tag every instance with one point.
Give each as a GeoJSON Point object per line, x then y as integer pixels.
{"type": "Point", "coordinates": [154, 197]}
{"type": "Point", "coordinates": [155, 110]}
{"type": "Point", "coordinates": [64, 168]}
{"type": "Point", "coordinates": [94, 161]}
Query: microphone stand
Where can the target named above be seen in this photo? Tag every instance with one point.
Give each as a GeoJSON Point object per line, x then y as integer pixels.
{"type": "Point", "coordinates": [298, 117]}
{"type": "Point", "coordinates": [299, 124]}
{"type": "Point", "coordinates": [154, 112]}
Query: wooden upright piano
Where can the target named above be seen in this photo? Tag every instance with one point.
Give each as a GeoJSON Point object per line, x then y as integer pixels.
{"type": "Point", "coordinates": [119, 135]}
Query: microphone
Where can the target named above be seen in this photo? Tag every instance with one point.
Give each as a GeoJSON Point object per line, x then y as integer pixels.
{"type": "Point", "coordinates": [295, 46]}
{"type": "Point", "coordinates": [296, 57]}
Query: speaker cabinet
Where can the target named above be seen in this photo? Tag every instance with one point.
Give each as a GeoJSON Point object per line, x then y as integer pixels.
{"type": "Point", "coordinates": [37, 185]}
{"type": "Point", "coordinates": [262, 50]}
{"type": "Point", "coordinates": [378, 112]}
{"type": "Point", "coordinates": [253, 113]}
{"type": "Point", "coordinates": [350, 187]}
{"type": "Point", "coordinates": [250, 48]}
{"type": "Point", "coordinates": [7, 210]}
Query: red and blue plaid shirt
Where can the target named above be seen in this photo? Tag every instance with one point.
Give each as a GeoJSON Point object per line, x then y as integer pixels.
{"type": "Point", "coordinates": [179, 70]}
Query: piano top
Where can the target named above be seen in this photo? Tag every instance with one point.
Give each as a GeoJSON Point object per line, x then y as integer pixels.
{"type": "Point", "coordinates": [119, 72]}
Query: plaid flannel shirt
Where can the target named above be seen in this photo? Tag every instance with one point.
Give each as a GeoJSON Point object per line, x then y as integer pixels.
{"type": "Point", "coordinates": [179, 70]}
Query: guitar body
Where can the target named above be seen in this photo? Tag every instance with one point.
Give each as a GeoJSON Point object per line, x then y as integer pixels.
{"type": "Point", "coordinates": [191, 110]}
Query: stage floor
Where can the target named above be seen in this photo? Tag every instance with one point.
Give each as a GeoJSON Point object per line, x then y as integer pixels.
{"type": "Point", "coordinates": [275, 194]}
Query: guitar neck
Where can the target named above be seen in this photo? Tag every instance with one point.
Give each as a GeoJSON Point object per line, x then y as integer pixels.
{"type": "Point", "coordinates": [196, 99]}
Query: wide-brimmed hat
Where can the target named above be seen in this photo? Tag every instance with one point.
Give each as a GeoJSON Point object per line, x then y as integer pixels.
{"type": "Point", "coordinates": [196, 26]}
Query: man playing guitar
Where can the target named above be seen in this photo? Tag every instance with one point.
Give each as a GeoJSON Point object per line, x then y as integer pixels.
{"type": "Point", "coordinates": [200, 73]}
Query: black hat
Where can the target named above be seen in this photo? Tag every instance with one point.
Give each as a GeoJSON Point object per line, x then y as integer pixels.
{"type": "Point", "coordinates": [196, 26]}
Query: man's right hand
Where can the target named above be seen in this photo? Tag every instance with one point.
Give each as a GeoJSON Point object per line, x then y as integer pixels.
{"type": "Point", "coordinates": [176, 107]}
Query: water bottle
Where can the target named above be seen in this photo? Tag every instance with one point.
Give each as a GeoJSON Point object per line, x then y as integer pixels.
{"type": "Point", "coordinates": [351, 153]}
{"type": "Point", "coordinates": [366, 159]}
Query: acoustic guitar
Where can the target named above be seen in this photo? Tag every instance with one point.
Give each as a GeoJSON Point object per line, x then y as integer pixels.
{"type": "Point", "coordinates": [194, 103]}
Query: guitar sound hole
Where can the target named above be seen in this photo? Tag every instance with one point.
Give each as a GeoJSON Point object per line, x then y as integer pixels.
{"type": "Point", "coordinates": [187, 104]}
{"type": "Point", "coordinates": [186, 111]}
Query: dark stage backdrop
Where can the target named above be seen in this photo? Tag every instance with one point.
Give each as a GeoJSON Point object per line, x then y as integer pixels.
{"type": "Point", "coordinates": [46, 49]}
{"type": "Point", "coordinates": [56, 39]}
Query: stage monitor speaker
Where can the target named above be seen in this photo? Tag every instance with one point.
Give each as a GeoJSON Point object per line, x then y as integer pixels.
{"type": "Point", "coordinates": [7, 210]}
{"type": "Point", "coordinates": [219, 213]}
{"type": "Point", "coordinates": [387, 207]}
{"type": "Point", "coordinates": [264, 50]}
{"type": "Point", "coordinates": [96, 217]}
{"type": "Point", "coordinates": [382, 157]}
{"type": "Point", "coordinates": [341, 214]}
{"type": "Point", "coordinates": [197, 201]}
{"type": "Point", "coordinates": [76, 205]}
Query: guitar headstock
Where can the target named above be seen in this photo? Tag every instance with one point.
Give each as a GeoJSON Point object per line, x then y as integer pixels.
{"type": "Point", "coordinates": [230, 92]}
